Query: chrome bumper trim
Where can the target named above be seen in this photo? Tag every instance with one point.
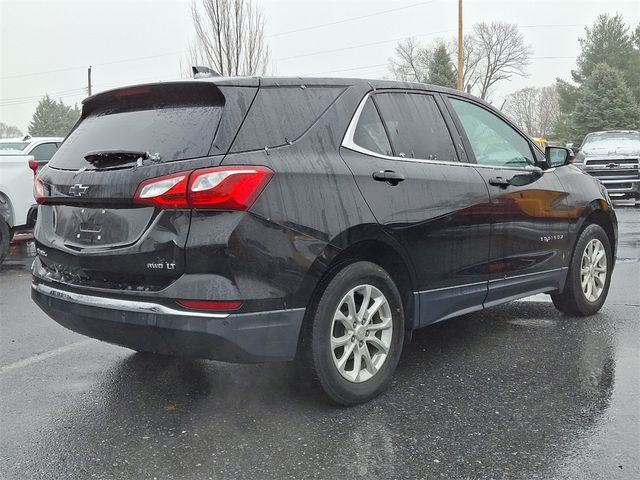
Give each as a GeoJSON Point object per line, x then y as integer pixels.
{"type": "Point", "coordinates": [119, 304]}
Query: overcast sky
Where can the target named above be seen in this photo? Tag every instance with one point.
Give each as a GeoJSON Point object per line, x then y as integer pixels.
{"type": "Point", "coordinates": [46, 47]}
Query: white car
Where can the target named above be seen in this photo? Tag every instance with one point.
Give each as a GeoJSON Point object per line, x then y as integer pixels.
{"type": "Point", "coordinates": [42, 148]}
{"type": "Point", "coordinates": [19, 160]}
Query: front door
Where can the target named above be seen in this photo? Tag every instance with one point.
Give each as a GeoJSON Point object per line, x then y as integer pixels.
{"type": "Point", "coordinates": [529, 218]}
{"type": "Point", "coordinates": [404, 161]}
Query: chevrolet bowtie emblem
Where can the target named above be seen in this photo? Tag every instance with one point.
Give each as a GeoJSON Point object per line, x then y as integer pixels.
{"type": "Point", "coordinates": [78, 190]}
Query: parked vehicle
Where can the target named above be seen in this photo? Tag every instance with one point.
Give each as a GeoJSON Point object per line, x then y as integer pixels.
{"type": "Point", "coordinates": [322, 220]}
{"type": "Point", "coordinates": [613, 157]}
{"type": "Point", "coordinates": [41, 148]}
{"type": "Point", "coordinates": [17, 209]}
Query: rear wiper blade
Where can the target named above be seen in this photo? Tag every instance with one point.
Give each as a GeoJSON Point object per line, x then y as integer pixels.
{"type": "Point", "coordinates": [105, 158]}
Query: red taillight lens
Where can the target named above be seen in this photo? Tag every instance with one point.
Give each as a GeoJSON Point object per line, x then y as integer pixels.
{"type": "Point", "coordinates": [210, 304]}
{"type": "Point", "coordinates": [169, 191]}
{"type": "Point", "coordinates": [218, 188]}
{"type": "Point", "coordinates": [227, 188]}
{"type": "Point", "coordinates": [39, 191]}
{"type": "Point", "coordinates": [33, 165]}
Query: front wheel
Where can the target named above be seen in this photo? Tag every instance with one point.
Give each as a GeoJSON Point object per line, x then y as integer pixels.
{"type": "Point", "coordinates": [589, 274]}
{"type": "Point", "coordinates": [355, 333]}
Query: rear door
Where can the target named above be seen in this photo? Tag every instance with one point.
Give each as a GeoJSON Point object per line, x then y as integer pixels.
{"type": "Point", "coordinates": [402, 155]}
{"type": "Point", "coordinates": [529, 217]}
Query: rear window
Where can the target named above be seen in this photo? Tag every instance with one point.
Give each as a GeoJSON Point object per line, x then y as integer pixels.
{"type": "Point", "coordinates": [176, 121]}
{"type": "Point", "coordinates": [415, 126]}
{"type": "Point", "coordinates": [280, 115]}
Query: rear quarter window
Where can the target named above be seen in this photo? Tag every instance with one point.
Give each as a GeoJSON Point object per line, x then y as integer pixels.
{"type": "Point", "coordinates": [280, 115]}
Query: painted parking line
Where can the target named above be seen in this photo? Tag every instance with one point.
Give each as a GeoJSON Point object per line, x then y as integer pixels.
{"type": "Point", "coordinates": [41, 357]}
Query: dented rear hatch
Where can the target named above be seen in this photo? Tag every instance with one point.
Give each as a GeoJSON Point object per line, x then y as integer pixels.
{"type": "Point", "coordinates": [89, 231]}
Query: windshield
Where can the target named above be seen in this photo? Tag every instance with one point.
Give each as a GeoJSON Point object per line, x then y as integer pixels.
{"type": "Point", "coordinates": [612, 140]}
{"type": "Point", "coordinates": [13, 145]}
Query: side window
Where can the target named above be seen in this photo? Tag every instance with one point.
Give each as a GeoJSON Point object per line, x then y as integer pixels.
{"type": "Point", "coordinates": [493, 141]}
{"type": "Point", "coordinates": [415, 126]}
{"type": "Point", "coordinates": [369, 133]}
{"type": "Point", "coordinates": [44, 152]}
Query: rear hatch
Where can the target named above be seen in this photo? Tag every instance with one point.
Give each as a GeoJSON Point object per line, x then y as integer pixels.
{"type": "Point", "coordinates": [89, 231]}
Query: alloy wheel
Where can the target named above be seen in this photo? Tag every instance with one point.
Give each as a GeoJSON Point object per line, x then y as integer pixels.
{"type": "Point", "coordinates": [361, 333]}
{"type": "Point", "coordinates": [593, 270]}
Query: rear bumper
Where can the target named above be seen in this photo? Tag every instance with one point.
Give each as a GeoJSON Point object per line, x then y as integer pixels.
{"type": "Point", "coordinates": [151, 327]}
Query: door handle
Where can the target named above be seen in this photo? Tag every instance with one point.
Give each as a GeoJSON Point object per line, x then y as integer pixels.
{"type": "Point", "coordinates": [499, 182]}
{"type": "Point", "coordinates": [389, 176]}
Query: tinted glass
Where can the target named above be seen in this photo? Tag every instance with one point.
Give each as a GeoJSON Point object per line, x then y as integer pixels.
{"type": "Point", "coordinates": [415, 126]}
{"type": "Point", "coordinates": [369, 133]}
{"type": "Point", "coordinates": [282, 114]}
{"type": "Point", "coordinates": [175, 133]}
{"type": "Point", "coordinates": [44, 152]}
{"type": "Point", "coordinates": [493, 141]}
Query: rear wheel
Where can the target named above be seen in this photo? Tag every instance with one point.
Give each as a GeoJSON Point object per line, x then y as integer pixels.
{"type": "Point", "coordinates": [589, 274]}
{"type": "Point", "coordinates": [355, 333]}
{"type": "Point", "coordinates": [5, 239]}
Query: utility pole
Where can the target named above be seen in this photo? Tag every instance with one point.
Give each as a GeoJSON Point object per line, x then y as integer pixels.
{"type": "Point", "coordinates": [460, 84]}
{"type": "Point", "coordinates": [89, 80]}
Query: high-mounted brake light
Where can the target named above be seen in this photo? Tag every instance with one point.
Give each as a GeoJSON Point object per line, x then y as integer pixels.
{"type": "Point", "coordinates": [131, 92]}
{"type": "Point", "coordinates": [218, 188]}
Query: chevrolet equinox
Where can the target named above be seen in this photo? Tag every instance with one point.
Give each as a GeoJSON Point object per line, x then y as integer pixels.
{"type": "Point", "coordinates": [316, 220]}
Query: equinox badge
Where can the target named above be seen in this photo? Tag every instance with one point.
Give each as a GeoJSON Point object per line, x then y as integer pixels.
{"type": "Point", "coordinates": [78, 190]}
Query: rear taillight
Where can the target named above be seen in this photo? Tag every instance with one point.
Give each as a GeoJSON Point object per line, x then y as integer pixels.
{"type": "Point", "coordinates": [39, 191]}
{"type": "Point", "coordinates": [218, 188]}
{"type": "Point", "coordinates": [169, 191]}
{"type": "Point", "coordinates": [33, 165]}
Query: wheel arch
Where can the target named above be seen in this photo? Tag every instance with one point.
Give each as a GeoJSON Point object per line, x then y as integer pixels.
{"type": "Point", "coordinates": [378, 250]}
{"type": "Point", "coordinates": [605, 218]}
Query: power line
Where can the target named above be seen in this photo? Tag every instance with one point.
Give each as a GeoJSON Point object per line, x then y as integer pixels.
{"type": "Point", "coordinates": [337, 22]}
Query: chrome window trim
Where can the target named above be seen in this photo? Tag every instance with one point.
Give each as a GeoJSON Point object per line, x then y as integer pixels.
{"type": "Point", "coordinates": [119, 304]}
{"type": "Point", "coordinates": [347, 142]}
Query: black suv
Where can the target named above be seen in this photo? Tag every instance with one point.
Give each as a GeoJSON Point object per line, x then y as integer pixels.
{"type": "Point", "coordinates": [257, 219]}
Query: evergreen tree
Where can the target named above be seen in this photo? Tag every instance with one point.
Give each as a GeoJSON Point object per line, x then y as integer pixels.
{"type": "Point", "coordinates": [440, 68]}
{"type": "Point", "coordinates": [606, 103]}
{"type": "Point", "coordinates": [53, 118]}
{"type": "Point", "coordinates": [609, 41]}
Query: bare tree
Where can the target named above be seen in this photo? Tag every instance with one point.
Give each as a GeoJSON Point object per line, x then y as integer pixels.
{"type": "Point", "coordinates": [535, 110]}
{"type": "Point", "coordinates": [229, 37]}
{"type": "Point", "coordinates": [471, 58]}
{"type": "Point", "coordinates": [7, 131]}
{"type": "Point", "coordinates": [410, 62]}
{"type": "Point", "coordinates": [503, 52]}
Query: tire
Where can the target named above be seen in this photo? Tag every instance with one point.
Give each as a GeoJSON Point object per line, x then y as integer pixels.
{"type": "Point", "coordinates": [348, 384]}
{"type": "Point", "coordinates": [574, 299]}
{"type": "Point", "coordinates": [5, 239]}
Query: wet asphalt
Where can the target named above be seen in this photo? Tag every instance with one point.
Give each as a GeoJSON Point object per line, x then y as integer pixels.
{"type": "Point", "coordinates": [518, 391]}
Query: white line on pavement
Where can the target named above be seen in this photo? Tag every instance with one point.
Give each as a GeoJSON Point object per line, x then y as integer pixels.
{"type": "Point", "coordinates": [40, 357]}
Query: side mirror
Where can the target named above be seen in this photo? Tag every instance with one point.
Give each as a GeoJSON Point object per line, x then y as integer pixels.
{"type": "Point", "coordinates": [558, 156]}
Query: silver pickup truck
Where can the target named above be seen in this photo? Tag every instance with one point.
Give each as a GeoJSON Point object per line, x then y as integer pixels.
{"type": "Point", "coordinates": [613, 157]}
